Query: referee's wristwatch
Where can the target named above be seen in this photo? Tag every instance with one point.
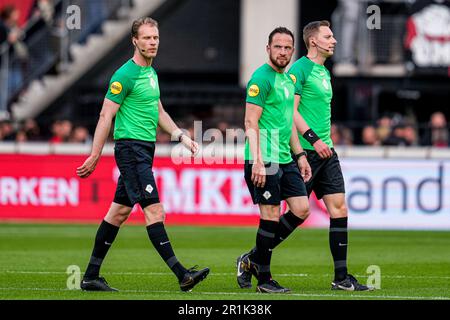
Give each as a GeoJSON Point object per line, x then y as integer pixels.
{"type": "Point", "coordinates": [299, 155]}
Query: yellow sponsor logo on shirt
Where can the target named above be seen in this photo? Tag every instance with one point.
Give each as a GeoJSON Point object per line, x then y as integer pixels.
{"type": "Point", "coordinates": [253, 91]}
{"type": "Point", "coordinates": [116, 87]}
{"type": "Point", "coordinates": [294, 78]}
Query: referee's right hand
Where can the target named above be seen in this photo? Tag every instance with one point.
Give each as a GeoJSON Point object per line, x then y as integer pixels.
{"type": "Point", "coordinates": [258, 174]}
{"type": "Point", "coordinates": [190, 144]}
{"type": "Point", "coordinates": [87, 167]}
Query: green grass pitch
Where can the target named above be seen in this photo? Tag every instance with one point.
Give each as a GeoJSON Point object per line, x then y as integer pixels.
{"type": "Point", "coordinates": [34, 260]}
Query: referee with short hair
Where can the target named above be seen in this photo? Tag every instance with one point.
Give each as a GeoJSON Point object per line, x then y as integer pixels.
{"type": "Point", "coordinates": [133, 98]}
{"type": "Point", "coordinates": [312, 116]}
{"type": "Point", "coordinates": [270, 172]}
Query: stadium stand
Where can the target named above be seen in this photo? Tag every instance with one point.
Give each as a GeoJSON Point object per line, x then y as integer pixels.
{"type": "Point", "coordinates": [382, 95]}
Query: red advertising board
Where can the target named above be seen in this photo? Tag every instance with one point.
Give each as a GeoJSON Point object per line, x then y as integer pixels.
{"type": "Point", "coordinates": [46, 188]}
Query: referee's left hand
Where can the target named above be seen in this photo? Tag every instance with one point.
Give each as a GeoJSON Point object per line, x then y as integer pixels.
{"type": "Point", "coordinates": [190, 144]}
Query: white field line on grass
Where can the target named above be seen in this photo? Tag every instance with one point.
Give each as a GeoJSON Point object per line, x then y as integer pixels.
{"type": "Point", "coordinates": [350, 295]}
{"type": "Point", "coordinates": [147, 273]}
{"type": "Point", "coordinates": [230, 274]}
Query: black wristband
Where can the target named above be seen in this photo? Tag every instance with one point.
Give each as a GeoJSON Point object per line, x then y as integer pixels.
{"type": "Point", "coordinates": [298, 155]}
{"type": "Point", "coordinates": [311, 136]}
{"type": "Point", "coordinates": [180, 136]}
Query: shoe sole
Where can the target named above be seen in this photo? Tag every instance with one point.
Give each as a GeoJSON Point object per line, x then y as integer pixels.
{"type": "Point", "coordinates": [244, 286]}
{"type": "Point", "coordinates": [189, 286]}
{"type": "Point", "coordinates": [341, 288]}
{"type": "Point", "coordinates": [262, 290]}
{"type": "Point", "coordinates": [98, 289]}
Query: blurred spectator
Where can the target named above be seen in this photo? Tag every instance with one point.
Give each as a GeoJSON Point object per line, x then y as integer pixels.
{"type": "Point", "coordinates": [7, 131]}
{"type": "Point", "coordinates": [21, 136]}
{"type": "Point", "coordinates": [347, 15]}
{"type": "Point", "coordinates": [32, 130]}
{"type": "Point", "coordinates": [347, 136]}
{"type": "Point", "coordinates": [397, 136]}
{"type": "Point", "coordinates": [384, 127]}
{"type": "Point", "coordinates": [95, 13]}
{"type": "Point", "coordinates": [335, 134]}
{"type": "Point", "coordinates": [58, 40]}
{"type": "Point", "coordinates": [9, 16]}
{"type": "Point", "coordinates": [341, 136]}
{"type": "Point", "coordinates": [223, 126]}
{"type": "Point", "coordinates": [437, 133]}
{"type": "Point", "coordinates": [61, 130]}
{"type": "Point", "coordinates": [80, 134]}
{"type": "Point", "coordinates": [56, 132]}
{"type": "Point", "coordinates": [350, 11]}
{"type": "Point", "coordinates": [370, 136]}
{"type": "Point", "coordinates": [66, 129]}
{"type": "Point", "coordinates": [410, 135]}
{"type": "Point", "coordinates": [45, 10]}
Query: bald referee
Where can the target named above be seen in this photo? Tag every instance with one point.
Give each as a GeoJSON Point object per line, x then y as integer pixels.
{"type": "Point", "coordinates": [133, 97]}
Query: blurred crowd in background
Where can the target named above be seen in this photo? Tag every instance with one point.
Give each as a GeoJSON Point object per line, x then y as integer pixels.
{"type": "Point", "coordinates": [396, 130]}
{"type": "Point", "coordinates": [14, 32]}
{"type": "Point", "coordinates": [389, 130]}
{"type": "Point", "coordinates": [61, 131]}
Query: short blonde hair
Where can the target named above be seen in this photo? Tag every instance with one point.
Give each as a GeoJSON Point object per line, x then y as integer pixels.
{"type": "Point", "coordinates": [139, 22]}
{"type": "Point", "coordinates": [312, 28]}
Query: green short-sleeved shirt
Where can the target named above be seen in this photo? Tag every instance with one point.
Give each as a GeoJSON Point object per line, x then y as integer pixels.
{"type": "Point", "coordinates": [274, 92]}
{"type": "Point", "coordinates": [136, 89]}
{"type": "Point", "coordinates": [313, 84]}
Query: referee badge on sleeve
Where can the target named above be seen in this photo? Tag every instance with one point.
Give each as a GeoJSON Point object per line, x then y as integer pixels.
{"type": "Point", "coordinates": [294, 78]}
{"type": "Point", "coordinates": [116, 87]}
{"type": "Point", "coordinates": [253, 91]}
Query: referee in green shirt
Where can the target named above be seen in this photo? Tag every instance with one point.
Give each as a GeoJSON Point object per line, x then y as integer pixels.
{"type": "Point", "coordinates": [270, 173]}
{"type": "Point", "coordinates": [312, 116]}
{"type": "Point", "coordinates": [133, 97]}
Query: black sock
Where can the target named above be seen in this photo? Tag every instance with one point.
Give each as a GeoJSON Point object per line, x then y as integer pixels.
{"type": "Point", "coordinates": [160, 240]}
{"type": "Point", "coordinates": [338, 246]}
{"type": "Point", "coordinates": [288, 223]}
{"type": "Point", "coordinates": [263, 253]}
{"type": "Point", "coordinates": [105, 236]}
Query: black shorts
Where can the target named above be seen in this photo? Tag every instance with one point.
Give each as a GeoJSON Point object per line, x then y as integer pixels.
{"type": "Point", "coordinates": [285, 183]}
{"type": "Point", "coordinates": [136, 184]}
{"type": "Point", "coordinates": [327, 175]}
